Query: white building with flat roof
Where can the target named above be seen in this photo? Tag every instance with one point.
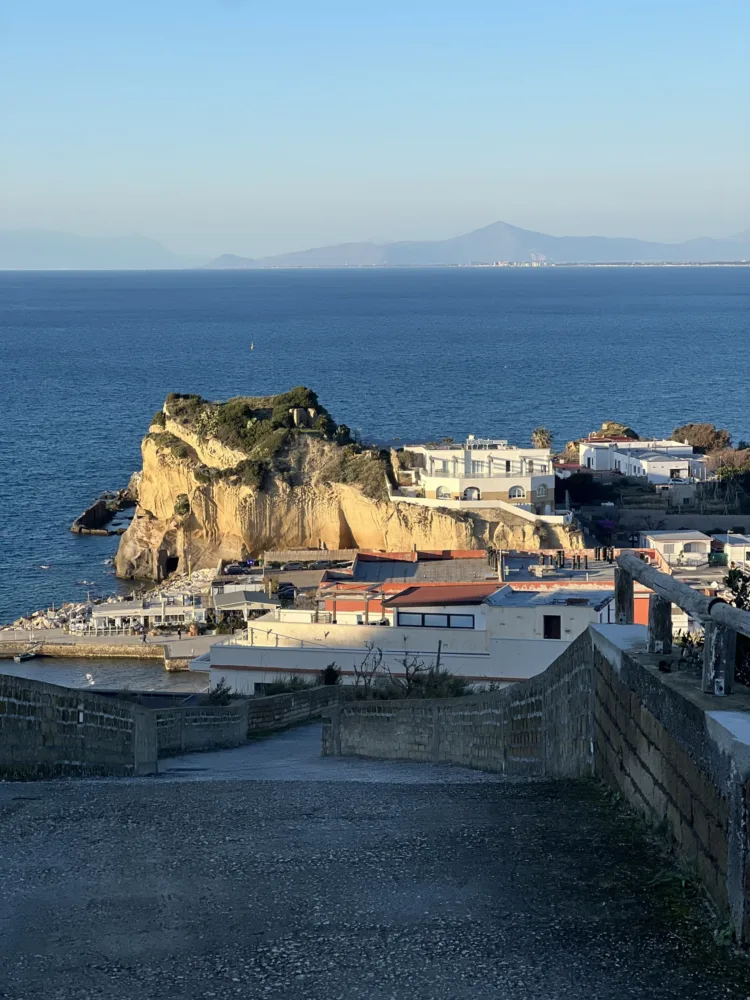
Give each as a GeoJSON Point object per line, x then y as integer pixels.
{"type": "Point", "coordinates": [180, 611]}
{"type": "Point", "coordinates": [502, 638]}
{"type": "Point", "coordinates": [484, 469]}
{"type": "Point", "coordinates": [737, 549]}
{"type": "Point", "coordinates": [657, 461]}
{"type": "Point", "coordinates": [679, 548]}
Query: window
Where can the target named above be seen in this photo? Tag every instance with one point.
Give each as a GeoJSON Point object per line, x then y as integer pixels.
{"type": "Point", "coordinates": [552, 628]}
{"type": "Point", "coordinates": [471, 493]}
{"type": "Point", "coordinates": [531, 465]}
{"type": "Point", "coordinates": [434, 620]}
{"type": "Point", "coordinates": [442, 493]}
{"type": "Point", "coordinates": [669, 549]}
{"type": "Point", "coordinates": [542, 491]}
{"type": "Point", "coordinates": [516, 492]}
{"type": "Point", "coordinates": [507, 466]}
{"type": "Point", "coordinates": [407, 618]}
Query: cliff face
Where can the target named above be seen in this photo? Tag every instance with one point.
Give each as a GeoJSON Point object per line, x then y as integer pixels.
{"type": "Point", "coordinates": [195, 508]}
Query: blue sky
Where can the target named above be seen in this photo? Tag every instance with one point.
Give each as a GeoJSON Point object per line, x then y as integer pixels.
{"type": "Point", "coordinates": [256, 127]}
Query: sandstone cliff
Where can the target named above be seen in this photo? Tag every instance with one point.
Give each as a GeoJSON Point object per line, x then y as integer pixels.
{"type": "Point", "coordinates": [204, 497]}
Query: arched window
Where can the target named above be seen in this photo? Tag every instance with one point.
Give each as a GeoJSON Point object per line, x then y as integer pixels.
{"type": "Point", "coordinates": [542, 491]}
{"type": "Point", "coordinates": [471, 493]}
{"type": "Point", "coordinates": [516, 492]}
{"type": "Point", "coordinates": [442, 493]}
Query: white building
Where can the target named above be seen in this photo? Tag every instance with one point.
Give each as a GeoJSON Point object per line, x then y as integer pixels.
{"type": "Point", "coordinates": [502, 638]}
{"type": "Point", "coordinates": [657, 461]}
{"type": "Point", "coordinates": [679, 548]}
{"type": "Point", "coordinates": [245, 603]}
{"type": "Point", "coordinates": [484, 469]}
{"type": "Point", "coordinates": [737, 549]}
{"type": "Point", "coordinates": [180, 611]}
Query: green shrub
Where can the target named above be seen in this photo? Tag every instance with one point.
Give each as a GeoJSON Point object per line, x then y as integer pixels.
{"type": "Point", "coordinates": [330, 675]}
{"type": "Point", "coordinates": [251, 472]}
{"type": "Point", "coordinates": [182, 505]}
{"type": "Point", "coordinates": [361, 467]}
{"type": "Point", "coordinates": [170, 442]}
{"type": "Point", "coordinates": [299, 396]}
{"type": "Point", "coordinates": [220, 695]}
{"type": "Point", "coordinates": [184, 408]}
{"type": "Point", "coordinates": [159, 419]}
{"type": "Point", "coordinates": [289, 685]}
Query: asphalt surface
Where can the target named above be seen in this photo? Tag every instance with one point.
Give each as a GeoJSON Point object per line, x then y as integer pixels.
{"type": "Point", "coordinates": [232, 876]}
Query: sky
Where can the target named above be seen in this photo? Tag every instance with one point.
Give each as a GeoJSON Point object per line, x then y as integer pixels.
{"type": "Point", "coordinates": [254, 127]}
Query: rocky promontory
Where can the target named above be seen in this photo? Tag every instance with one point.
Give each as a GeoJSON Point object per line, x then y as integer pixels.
{"type": "Point", "coordinates": [230, 480]}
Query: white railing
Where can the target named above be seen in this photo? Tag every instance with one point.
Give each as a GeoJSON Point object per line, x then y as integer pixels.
{"type": "Point", "coordinates": [496, 473]}
{"type": "Point", "coordinates": [560, 517]}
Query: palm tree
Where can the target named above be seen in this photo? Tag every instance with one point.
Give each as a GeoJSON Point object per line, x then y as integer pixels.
{"type": "Point", "coordinates": [541, 437]}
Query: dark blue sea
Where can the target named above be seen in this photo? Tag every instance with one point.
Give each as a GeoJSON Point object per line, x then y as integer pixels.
{"type": "Point", "coordinates": [86, 359]}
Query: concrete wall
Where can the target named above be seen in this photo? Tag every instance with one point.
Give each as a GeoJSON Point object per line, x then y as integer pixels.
{"type": "Point", "coordinates": [541, 727]}
{"type": "Point", "coordinates": [201, 727]}
{"type": "Point", "coordinates": [49, 731]}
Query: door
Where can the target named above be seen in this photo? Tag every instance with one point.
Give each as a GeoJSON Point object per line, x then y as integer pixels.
{"type": "Point", "coordinates": [552, 629]}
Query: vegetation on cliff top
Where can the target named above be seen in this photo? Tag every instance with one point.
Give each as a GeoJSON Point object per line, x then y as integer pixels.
{"type": "Point", "coordinates": [265, 428]}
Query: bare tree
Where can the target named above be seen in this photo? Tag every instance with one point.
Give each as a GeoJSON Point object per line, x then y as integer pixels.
{"type": "Point", "coordinates": [415, 672]}
{"type": "Point", "coordinates": [371, 666]}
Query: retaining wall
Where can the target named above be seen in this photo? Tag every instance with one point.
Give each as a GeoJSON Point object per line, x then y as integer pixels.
{"type": "Point", "coordinates": [84, 650]}
{"type": "Point", "coordinates": [50, 731]}
{"type": "Point", "coordinates": [200, 727]}
{"type": "Point", "coordinates": [280, 710]}
{"type": "Point", "coordinates": [204, 727]}
{"type": "Point", "coordinates": [682, 759]}
{"type": "Point", "coordinates": [543, 726]}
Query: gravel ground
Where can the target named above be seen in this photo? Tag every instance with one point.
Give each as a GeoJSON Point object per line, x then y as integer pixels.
{"type": "Point", "coordinates": [360, 881]}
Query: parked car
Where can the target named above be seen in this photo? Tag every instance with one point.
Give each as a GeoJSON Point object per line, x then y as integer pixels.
{"type": "Point", "coordinates": [287, 567]}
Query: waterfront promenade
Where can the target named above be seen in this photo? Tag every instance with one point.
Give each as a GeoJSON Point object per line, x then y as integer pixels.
{"type": "Point", "coordinates": [268, 871]}
{"type": "Point", "coordinates": [179, 649]}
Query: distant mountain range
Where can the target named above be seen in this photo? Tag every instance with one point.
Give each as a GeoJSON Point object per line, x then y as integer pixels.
{"type": "Point", "coordinates": [502, 242]}
{"type": "Point", "coordinates": [41, 249]}
{"type": "Point", "coordinates": [45, 250]}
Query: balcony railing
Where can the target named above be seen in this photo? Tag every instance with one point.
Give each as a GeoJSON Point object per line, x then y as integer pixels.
{"type": "Point", "coordinates": [498, 473]}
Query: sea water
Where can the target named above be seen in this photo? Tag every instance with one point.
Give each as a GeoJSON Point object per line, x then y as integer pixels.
{"type": "Point", "coordinates": [412, 354]}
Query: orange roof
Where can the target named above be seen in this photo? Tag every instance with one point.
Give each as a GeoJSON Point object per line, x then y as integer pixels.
{"type": "Point", "coordinates": [421, 554]}
{"type": "Point", "coordinates": [442, 594]}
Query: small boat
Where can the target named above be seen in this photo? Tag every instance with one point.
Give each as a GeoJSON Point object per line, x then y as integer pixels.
{"type": "Point", "coordinates": [252, 345]}
{"type": "Point", "coordinates": [22, 657]}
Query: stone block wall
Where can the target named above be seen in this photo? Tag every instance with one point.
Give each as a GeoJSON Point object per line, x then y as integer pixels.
{"type": "Point", "coordinates": [49, 731]}
{"type": "Point", "coordinates": [540, 727]}
{"type": "Point", "coordinates": [200, 727]}
{"type": "Point", "coordinates": [280, 710]}
{"type": "Point", "coordinates": [204, 727]}
{"type": "Point", "coordinates": [658, 746]}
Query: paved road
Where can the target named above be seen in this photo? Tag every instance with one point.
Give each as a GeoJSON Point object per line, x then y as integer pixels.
{"type": "Point", "coordinates": [272, 874]}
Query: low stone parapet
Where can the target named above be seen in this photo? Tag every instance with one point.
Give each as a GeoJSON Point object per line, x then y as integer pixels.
{"type": "Point", "coordinates": [49, 731]}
